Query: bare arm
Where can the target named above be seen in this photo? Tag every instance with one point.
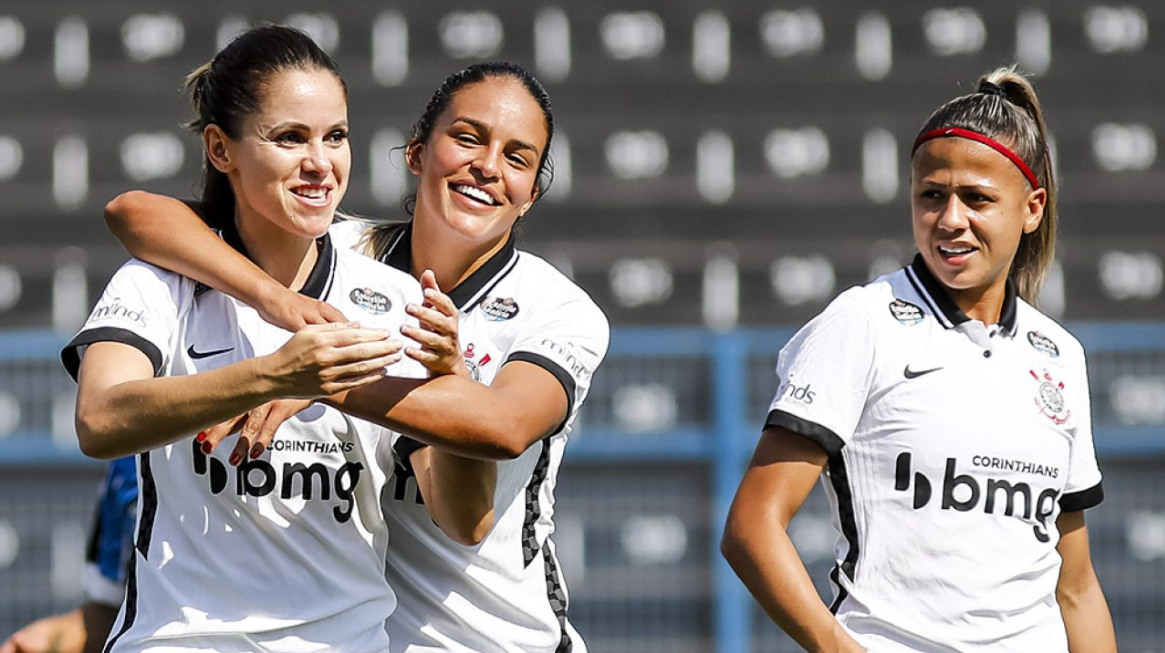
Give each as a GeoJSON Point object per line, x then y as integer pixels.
{"type": "Point", "coordinates": [1086, 615]}
{"type": "Point", "coordinates": [756, 544]}
{"type": "Point", "coordinates": [168, 233]}
{"type": "Point", "coordinates": [458, 491]}
{"type": "Point", "coordinates": [122, 409]}
{"type": "Point", "coordinates": [524, 404]}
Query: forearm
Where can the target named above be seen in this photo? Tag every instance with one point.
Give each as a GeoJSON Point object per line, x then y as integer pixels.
{"type": "Point", "coordinates": [459, 493]}
{"type": "Point", "coordinates": [140, 415]}
{"type": "Point", "coordinates": [459, 415]}
{"type": "Point", "coordinates": [771, 568]}
{"type": "Point", "coordinates": [164, 231]}
{"type": "Point", "coordinates": [1087, 619]}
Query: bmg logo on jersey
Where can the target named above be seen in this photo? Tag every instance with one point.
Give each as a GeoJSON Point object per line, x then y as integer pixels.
{"type": "Point", "coordinates": [258, 478]}
{"type": "Point", "coordinates": [963, 492]}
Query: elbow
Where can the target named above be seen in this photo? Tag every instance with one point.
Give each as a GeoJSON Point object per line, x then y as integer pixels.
{"type": "Point", "coordinates": [471, 535]}
{"type": "Point", "coordinates": [118, 211]}
{"type": "Point", "coordinates": [92, 437]}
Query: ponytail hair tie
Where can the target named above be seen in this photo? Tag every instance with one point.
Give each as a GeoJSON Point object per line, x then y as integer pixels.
{"type": "Point", "coordinates": [991, 88]}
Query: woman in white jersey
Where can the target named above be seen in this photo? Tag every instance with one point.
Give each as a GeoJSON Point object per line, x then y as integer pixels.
{"type": "Point", "coordinates": [531, 340]}
{"type": "Point", "coordinates": [949, 421]}
{"type": "Point", "coordinates": [283, 552]}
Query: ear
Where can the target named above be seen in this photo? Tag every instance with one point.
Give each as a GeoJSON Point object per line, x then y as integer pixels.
{"type": "Point", "coordinates": [530, 202]}
{"type": "Point", "coordinates": [218, 148]}
{"type": "Point", "coordinates": [413, 157]}
{"type": "Point", "coordinates": [1035, 210]}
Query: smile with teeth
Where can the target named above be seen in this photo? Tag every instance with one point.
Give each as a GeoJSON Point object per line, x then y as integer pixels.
{"type": "Point", "coordinates": [955, 251]}
{"type": "Point", "coordinates": [474, 193]}
{"type": "Point", "coordinates": [311, 192]}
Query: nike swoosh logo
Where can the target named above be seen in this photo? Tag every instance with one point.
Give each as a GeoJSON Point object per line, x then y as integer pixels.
{"type": "Point", "coordinates": [914, 374]}
{"type": "Point", "coordinates": [206, 354]}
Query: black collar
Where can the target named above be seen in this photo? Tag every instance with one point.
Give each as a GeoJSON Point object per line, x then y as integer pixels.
{"type": "Point", "coordinates": [944, 308]}
{"type": "Point", "coordinates": [469, 292]}
{"type": "Point", "coordinates": [318, 282]}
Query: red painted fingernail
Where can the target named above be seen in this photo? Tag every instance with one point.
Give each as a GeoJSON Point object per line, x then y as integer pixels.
{"type": "Point", "coordinates": [235, 458]}
{"type": "Point", "coordinates": [201, 436]}
{"type": "Point", "coordinates": [207, 447]}
{"type": "Point", "coordinates": [256, 452]}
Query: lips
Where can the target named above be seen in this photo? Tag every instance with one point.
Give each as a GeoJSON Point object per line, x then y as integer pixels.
{"type": "Point", "coordinates": [475, 193]}
{"type": "Point", "coordinates": [316, 195]}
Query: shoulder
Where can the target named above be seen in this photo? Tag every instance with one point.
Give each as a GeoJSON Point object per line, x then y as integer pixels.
{"type": "Point", "coordinates": [544, 288]}
{"type": "Point", "coordinates": [1046, 334]}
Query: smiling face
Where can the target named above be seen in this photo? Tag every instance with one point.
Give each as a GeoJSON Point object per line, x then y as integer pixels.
{"type": "Point", "coordinates": [290, 164]}
{"type": "Point", "coordinates": [478, 168]}
{"type": "Point", "coordinates": [971, 205]}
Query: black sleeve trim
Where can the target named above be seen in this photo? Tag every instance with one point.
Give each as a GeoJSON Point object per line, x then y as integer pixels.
{"type": "Point", "coordinates": [1083, 499]}
{"type": "Point", "coordinates": [828, 440]}
{"type": "Point", "coordinates": [71, 354]}
{"type": "Point", "coordinates": [562, 375]}
{"type": "Point", "coordinates": [404, 448]}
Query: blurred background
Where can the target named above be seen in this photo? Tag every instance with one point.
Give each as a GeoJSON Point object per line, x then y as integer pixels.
{"type": "Point", "coordinates": [722, 170]}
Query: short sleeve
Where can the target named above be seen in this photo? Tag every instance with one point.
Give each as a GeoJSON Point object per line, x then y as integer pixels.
{"type": "Point", "coordinates": [1083, 488]}
{"type": "Point", "coordinates": [569, 341]}
{"type": "Point", "coordinates": [139, 308]}
{"type": "Point", "coordinates": [823, 375]}
{"type": "Point", "coordinates": [111, 539]}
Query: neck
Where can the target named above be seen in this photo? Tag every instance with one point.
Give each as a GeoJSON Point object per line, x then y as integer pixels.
{"type": "Point", "coordinates": [287, 258]}
{"type": "Point", "coordinates": [452, 261]}
{"type": "Point", "coordinates": [983, 304]}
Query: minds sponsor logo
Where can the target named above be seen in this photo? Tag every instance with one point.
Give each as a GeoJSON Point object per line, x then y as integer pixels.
{"type": "Point", "coordinates": [115, 310]}
{"type": "Point", "coordinates": [1043, 344]}
{"type": "Point", "coordinates": [800, 394]}
{"type": "Point", "coordinates": [498, 309]}
{"type": "Point", "coordinates": [905, 312]}
{"type": "Point", "coordinates": [1019, 500]}
{"type": "Point", "coordinates": [259, 478]}
{"type": "Point", "coordinates": [567, 355]}
{"type": "Point", "coordinates": [370, 300]}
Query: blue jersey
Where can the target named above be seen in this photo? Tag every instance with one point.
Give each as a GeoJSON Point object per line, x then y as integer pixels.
{"type": "Point", "coordinates": [111, 540]}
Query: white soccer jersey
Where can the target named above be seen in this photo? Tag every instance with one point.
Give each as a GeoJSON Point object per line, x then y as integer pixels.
{"type": "Point", "coordinates": [284, 553]}
{"type": "Point", "coordinates": [953, 447]}
{"type": "Point", "coordinates": [507, 593]}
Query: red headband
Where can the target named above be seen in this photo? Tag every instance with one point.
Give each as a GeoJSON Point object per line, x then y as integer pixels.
{"type": "Point", "coordinates": [989, 142]}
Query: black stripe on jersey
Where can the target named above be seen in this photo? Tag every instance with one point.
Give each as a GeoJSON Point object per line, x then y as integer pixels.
{"type": "Point", "coordinates": [404, 448]}
{"type": "Point", "coordinates": [474, 301]}
{"type": "Point", "coordinates": [839, 479]}
{"type": "Point", "coordinates": [319, 281]}
{"type": "Point", "coordinates": [1083, 499]}
{"type": "Point", "coordinates": [943, 307]}
{"type": "Point", "coordinates": [471, 290]}
{"type": "Point", "coordinates": [562, 375]}
{"type": "Point", "coordinates": [71, 353]}
{"type": "Point", "coordinates": [149, 509]}
{"type": "Point", "coordinates": [825, 438]}
{"type": "Point", "coordinates": [942, 319]}
{"type": "Point", "coordinates": [533, 507]}
{"type": "Point", "coordinates": [558, 601]}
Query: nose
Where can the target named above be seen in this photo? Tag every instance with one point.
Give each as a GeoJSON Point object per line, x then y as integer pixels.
{"type": "Point", "coordinates": [487, 162]}
{"type": "Point", "coordinates": [316, 159]}
{"type": "Point", "coordinates": [954, 214]}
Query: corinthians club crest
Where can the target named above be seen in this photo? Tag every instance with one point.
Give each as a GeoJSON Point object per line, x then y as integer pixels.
{"type": "Point", "coordinates": [1050, 397]}
{"type": "Point", "coordinates": [475, 366]}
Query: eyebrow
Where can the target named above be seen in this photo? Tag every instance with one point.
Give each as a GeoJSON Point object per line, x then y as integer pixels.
{"type": "Point", "coordinates": [477, 124]}
{"type": "Point", "coordinates": [295, 124]}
